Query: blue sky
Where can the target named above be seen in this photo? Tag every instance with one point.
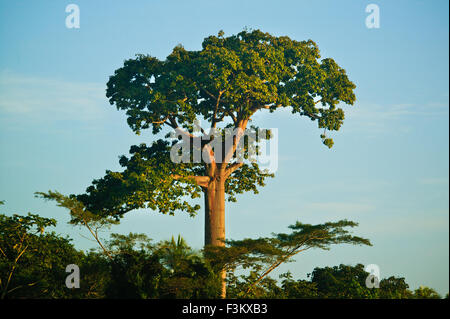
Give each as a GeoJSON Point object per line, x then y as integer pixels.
{"type": "Point", "coordinates": [388, 169]}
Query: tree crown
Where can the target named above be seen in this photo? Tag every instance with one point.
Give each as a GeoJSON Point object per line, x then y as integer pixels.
{"type": "Point", "coordinates": [231, 78]}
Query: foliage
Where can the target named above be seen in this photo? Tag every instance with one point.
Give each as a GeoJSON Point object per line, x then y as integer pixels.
{"type": "Point", "coordinates": [394, 288]}
{"type": "Point", "coordinates": [341, 282]}
{"type": "Point", "coordinates": [146, 182]}
{"type": "Point", "coordinates": [426, 293]}
{"type": "Point", "coordinates": [263, 255]}
{"type": "Point", "coordinates": [33, 261]}
{"type": "Point", "coordinates": [298, 289]}
{"type": "Point", "coordinates": [169, 269]}
{"type": "Point", "coordinates": [248, 71]}
{"type": "Point", "coordinates": [80, 215]}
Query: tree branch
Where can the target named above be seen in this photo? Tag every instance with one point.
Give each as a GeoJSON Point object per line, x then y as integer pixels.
{"type": "Point", "coordinates": [202, 181]}
{"type": "Point", "coordinates": [209, 93]}
{"type": "Point", "coordinates": [232, 167]}
{"type": "Point", "coordinates": [174, 125]}
{"type": "Point", "coordinates": [294, 251]}
{"type": "Point", "coordinates": [233, 117]}
{"type": "Point", "coordinates": [96, 238]}
{"type": "Point", "coordinates": [241, 126]}
{"type": "Point", "coordinates": [265, 106]}
{"type": "Point", "coordinates": [214, 120]}
{"type": "Point", "coordinates": [162, 121]}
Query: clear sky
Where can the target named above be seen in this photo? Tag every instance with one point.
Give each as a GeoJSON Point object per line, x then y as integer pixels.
{"type": "Point", "coordinates": [388, 169]}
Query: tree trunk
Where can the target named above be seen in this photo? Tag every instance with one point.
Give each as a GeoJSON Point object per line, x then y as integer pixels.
{"type": "Point", "coordinates": [215, 196]}
{"type": "Point", "coordinates": [215, 218]}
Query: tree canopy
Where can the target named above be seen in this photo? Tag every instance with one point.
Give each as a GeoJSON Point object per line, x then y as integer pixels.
{"type": "Point", "coordinates": [33, 262]}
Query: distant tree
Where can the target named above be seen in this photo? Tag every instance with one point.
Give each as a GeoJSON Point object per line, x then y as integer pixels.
{"type": "Point", "coordinates": [136, 272]}
{"type": "Point", "coordinates": [345, 281]}
{"type": "Point", "coordinates": [169, 269]}
{"type": "Point", "coordinates": [95, 276]}
{"type": "Point", "coordinates": [424, 292]}
{"type": "Point", "coordinates": [174, 253]}
{"type": "Point", "coordinates": [33, 261]}
{"type": "Point", "coordinates": [298, 289]}
{"type": "Point", "coordinates": [225, 83]}
{"type": "Point", "coordinates": [394, 288]}
{"type": "Point", "coordinates": [342, 282]}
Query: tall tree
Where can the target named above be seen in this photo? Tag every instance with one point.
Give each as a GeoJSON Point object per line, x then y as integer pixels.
{"type": "Point", "coordinates": [224, 84]}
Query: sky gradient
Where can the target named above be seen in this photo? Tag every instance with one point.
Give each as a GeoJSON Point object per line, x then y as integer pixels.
{"type": "Point", "coordinates": [388, 169]}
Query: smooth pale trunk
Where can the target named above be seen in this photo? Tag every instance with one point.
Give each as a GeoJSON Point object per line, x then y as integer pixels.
{"type": "Point", "coordinates": [215, 218]}
{"type": "Point", "coordinates": [215, 207]}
